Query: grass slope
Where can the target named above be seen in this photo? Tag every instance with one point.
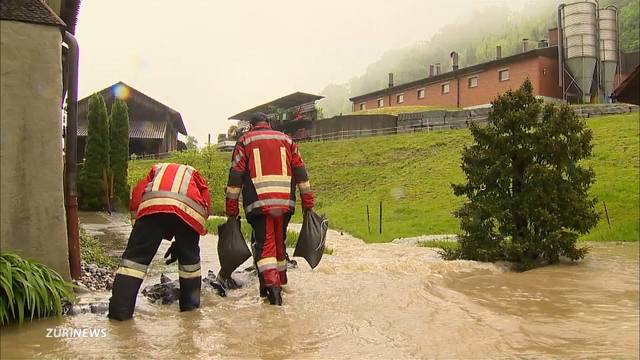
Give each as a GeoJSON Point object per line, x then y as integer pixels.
{"type": "Point", "coordinates": [411, 174]}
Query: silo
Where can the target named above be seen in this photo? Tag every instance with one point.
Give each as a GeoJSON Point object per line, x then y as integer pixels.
{"type": "Point", "coordinates": [579, 30]}
{"type": "Point", "coordinates": [608, 32]}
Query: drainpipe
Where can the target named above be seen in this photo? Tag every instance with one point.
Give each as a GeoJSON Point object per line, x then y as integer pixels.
{"type": "Point", "coordinates": [70, 166]}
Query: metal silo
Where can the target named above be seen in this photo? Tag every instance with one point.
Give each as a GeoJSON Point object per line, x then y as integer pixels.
{"type": "Point", "coordinates": [580, 42]}
{"type": "Point", "coordinates": [608, 33]}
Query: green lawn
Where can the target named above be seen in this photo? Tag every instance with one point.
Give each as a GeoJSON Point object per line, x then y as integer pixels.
{"type": "Point", "coordinates": [411, 174]}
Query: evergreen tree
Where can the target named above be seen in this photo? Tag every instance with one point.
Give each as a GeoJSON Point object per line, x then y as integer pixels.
{"type": "Point", "coordinates": [91, 185]}
{"type": "Point", "coordinates": [119, 151]}
{"type": "Point", "coordinates": [527, 194]}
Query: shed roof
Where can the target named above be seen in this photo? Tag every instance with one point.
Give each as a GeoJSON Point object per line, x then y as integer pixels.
{"type": "Point", "coordinates": [285, 102]}
{"type": "Point", "coordinates": [550, 51]}
{"type": "Point", "coordinates": [154, 111]}
{"type": "Point", "coordinates": [628, 91]}
{"type": "Point", "coordinates": [137, 130]}
{"type": "Point", "coordinates": [29, 11]}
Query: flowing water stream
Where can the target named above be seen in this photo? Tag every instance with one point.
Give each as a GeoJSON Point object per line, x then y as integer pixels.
{"type": "Point", "coordinates": [378, 301]}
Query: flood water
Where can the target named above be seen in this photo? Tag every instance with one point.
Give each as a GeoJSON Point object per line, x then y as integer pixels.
{"type": "Point", "coordinates": [379, 301]}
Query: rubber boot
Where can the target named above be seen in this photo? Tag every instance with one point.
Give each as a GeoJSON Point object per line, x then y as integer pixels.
{"type": "Point", "coordinates": [275, 296]}
{"type": "Point", "coordinates": [190, 293]}
{"type": "Point", "coordinates": [123, 299]}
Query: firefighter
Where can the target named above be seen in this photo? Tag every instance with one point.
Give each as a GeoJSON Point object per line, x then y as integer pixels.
{"type": "Point", "coordinates": [171, 201]}
{"type": "Point", "coordinates": [266, 168]}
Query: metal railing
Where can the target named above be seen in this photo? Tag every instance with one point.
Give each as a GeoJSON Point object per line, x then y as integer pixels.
{"type": "Point", "coordinates": [350, 134]}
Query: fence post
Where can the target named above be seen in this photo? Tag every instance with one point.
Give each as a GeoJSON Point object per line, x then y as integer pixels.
{"type": "Point", "coordinates": [380, 216]}
{"type": "Point", "coordinates": [607, 213]}
{"type": "Point", "coordinates": [368, 222]}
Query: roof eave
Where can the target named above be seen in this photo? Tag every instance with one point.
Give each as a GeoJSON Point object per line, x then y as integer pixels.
{"type": "Point", "coordinates": [450, 74]}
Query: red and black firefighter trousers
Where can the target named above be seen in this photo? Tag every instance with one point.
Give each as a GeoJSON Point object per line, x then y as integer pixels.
{"type": "Point", "coordinates": [145, 238]}
{"type": "Point", "coordinates": [269, 249]}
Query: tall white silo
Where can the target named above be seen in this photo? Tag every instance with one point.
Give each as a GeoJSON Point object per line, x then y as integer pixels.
{"type": "Point", "coordinates": [580, 43]}
{"type": "Point", "coordinates": [608, 33]}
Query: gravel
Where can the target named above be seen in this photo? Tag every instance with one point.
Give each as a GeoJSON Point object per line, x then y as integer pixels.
{"type": "Point", "coordinates": [95, 278]}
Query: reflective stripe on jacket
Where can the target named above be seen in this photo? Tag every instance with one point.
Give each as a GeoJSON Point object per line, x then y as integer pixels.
{"type": "Point", "coordinates": [173, 188]}
{"type": "Point", "coordinates": [266, 167]}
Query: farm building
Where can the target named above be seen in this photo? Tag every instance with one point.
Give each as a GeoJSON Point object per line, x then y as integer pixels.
{"type": "Point", "coordinates": [477, 85]}
{"type": "Point", "coordinates": [153, 126]}
{"type": "Point", "coordinates": [292, 113]}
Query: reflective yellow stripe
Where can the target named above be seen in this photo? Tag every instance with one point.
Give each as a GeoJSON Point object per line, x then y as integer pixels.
{"type": "Point", "coordinates": [233, 192]}
{"type": "Point", "coordinates": [179, 204]}
{"type": "Point", "coordinates": [131, 272]}
{"type": "Point", "coordinates": [283, 159]}
{"type": "Point", "coordinates": [189, 275]}
{"type": "Point", "coordinates": [273, 189]}
{"type": "Point", "coordinates": [267, 263]}
{"type": "Point", "coordinates": [158, 179]}
{"type": "Point", "coordinates": [282, 265]}
{"type": "Point", "coordinates": [257, 162]}
{"type": "Point", "coordinates": [304, 187]}
{"type": "Point", "coordinates": [177, 180]}
{"type": "Point", "coordinates": [261, 179]}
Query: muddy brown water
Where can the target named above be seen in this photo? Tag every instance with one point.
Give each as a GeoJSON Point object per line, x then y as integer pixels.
{"type": "Point", "coordinates": [378, 301]}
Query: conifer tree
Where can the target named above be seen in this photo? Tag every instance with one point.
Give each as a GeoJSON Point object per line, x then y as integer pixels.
{"type": "Point", "coordinates": [527, 193]}
{"type": "Point", "coordinates": [91, 187]}
{"type": "Point", "coordinates": [119, 151]}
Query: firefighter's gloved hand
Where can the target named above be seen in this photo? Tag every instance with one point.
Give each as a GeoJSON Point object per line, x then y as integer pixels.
{"type": "Point", "coordinates": [171, 254]}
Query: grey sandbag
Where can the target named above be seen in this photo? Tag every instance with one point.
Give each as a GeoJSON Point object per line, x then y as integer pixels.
{"type": "Point", "coordinates": [232, 249]}
{"type": "Point", "coordinates": [312, 238]}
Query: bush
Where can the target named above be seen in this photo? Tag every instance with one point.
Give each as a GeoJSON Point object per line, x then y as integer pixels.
{"type": "Point", "coordinates": [119, 151]}
{"type": "Point", "coordinates": [30, 289]}
{"type": "Point", "coordinates": [92, 252]}
{"type": "Point", "coordinates": [527, 194]}
{"type": "Point", "coordinates": [91, 186]}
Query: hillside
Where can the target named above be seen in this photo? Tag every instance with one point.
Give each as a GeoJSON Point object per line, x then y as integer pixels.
{"type": "Point", "coordinates": [475, 40]}
{"type": "Point", "coordinates": [411, 174]}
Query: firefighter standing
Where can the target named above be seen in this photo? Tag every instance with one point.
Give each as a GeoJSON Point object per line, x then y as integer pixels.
{"type": "Point", "coordinates": [173, 200]}
{"type": "Point", "coordinates": [266, 167]}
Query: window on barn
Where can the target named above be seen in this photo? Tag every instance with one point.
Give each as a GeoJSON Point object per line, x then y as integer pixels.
{"type": "Point", "coordinates": [473, 81]}
{"type": "Point", "coordinates": [400, 98]}
{"type": "Point", "coordinates": [420, 93]}
{"type": "Point", "coordinates": [444, 88]}
{"type": "Point", "coordinates": [380, 102]}
{"type": "Point", "coordinates": [503, 74]}
{"type": "Point", "coordinates": [363, 106]}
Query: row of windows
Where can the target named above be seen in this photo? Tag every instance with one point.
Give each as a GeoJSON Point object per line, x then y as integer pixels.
{"type": "Point", "coordinates": [472, 82]}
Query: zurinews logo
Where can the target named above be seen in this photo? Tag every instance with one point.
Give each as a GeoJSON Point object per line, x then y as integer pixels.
{"type": "Point", "coordinates": [62, 332]}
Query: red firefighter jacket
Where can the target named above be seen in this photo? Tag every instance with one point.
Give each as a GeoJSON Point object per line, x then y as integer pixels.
{"type": "Point", "coordinates": [176, 189]}
{"type": "Point", "coordinates": [266, 167]}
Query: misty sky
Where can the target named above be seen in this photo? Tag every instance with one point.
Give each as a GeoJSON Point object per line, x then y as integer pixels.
{"type": "Point", "coordinates": [212, 59]}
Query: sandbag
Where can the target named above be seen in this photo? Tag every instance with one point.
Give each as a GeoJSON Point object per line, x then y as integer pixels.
{"type": "Point", "coordinates": [312, 238]}
{"type": "Point", "coordinates": [232, 248]}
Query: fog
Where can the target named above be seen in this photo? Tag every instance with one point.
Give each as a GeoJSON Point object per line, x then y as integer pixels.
{"type": "Point", "coordinates": [210, 59]}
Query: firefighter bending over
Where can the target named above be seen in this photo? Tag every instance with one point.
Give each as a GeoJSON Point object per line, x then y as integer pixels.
{"type": "Point", "coordinates": [173, 200]}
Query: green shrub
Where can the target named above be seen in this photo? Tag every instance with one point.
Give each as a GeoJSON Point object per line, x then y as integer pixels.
{"type": "Point", "coordinates": [91, 186]}
{"type": "Point", "coordinates": [119, 151]}
{"type": "Point", "coordinates": [527, 194]}
{"type": "Point", "coordinates": [92, 251]}
{"type": "Point", "coordinates": [29, 289]}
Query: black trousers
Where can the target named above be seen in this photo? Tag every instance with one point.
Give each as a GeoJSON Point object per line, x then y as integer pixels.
{"type": "Point", "coordinates": [145, 238]}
